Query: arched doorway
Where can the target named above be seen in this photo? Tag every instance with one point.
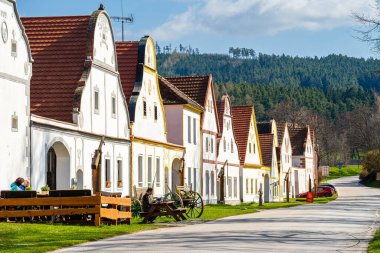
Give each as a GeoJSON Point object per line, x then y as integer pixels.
{"type": "Point", "coordinates": [58, 167]}
{"type": "Point", "coordinates": [177, 173]}
{"type": "Point", "coordinates": [266, 188]}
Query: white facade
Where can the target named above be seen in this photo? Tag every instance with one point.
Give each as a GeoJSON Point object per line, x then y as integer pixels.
{"type": "Point", "coordinates": [285, 160]}
{"type": "Point", "coordinates": [228, 156]}
{"type": "Point", "coordinates": [15, 74]}
{"type": "Point", "coordinates": [209, 147]}
{"type": "Point", "coordinates": [62, 152]}
{"type": "Point", "coordinates": [155, 161]}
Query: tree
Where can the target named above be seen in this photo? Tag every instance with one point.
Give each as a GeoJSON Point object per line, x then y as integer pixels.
{"type": "Point", "coordinates": [371, 161]}
{"type": "Point", "coordinates": [370, 31]}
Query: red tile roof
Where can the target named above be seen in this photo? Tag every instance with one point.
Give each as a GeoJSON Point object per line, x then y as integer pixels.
{"type": "Point", "coordinates": [172, 95]}
{"type": "Point", "coordinates": [280, 132]}
{"type": "Point", "coordinates": [59, 48]}
{"type": "Point", "coordinates": [266, 145]}
{"type": "Point", "coordinates": [127, 57]}
{"type": "Point", "coordinates": [193, 86]}
{"type": "Point", "coordinates": [196, 87]}
{"type": "Point", "coordinates": [298, 137]}
{"type": "Point", "coordinates": [241, 118]}
{"type": "Point", "coordinates": [220, 105]}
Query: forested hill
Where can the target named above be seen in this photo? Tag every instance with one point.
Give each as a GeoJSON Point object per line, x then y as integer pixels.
{"type": "Point", "coordinates": [328, 85]}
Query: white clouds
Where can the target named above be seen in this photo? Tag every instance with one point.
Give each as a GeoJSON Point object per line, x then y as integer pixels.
{"type": "Point", "coordinates": [243, 17]}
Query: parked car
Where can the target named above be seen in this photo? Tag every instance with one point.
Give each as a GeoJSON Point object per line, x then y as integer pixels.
{"type": "Point", "coordinates": [322, 191]}
{"type": "Point", "coordinates": [329, 185]}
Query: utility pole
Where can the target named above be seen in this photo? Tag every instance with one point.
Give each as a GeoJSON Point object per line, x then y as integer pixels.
{"type": "Point", "coordinates": [123, 20]}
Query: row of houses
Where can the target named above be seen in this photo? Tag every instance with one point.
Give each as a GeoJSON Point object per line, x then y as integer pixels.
{"type": "Point", "coordinates": [65, 84]}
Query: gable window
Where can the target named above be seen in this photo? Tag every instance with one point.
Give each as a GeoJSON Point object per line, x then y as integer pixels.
{"type": "Point", "coordinates": [232, 146]}
{"type": "Point", "coordinates": [113, 99]}
{"type": "Point", "coordinates": [254, 148]}
{"type": "Point", "coordinates": [206, 144]}
{"type": "Point", "coordinates": [144, 107]}
{"type": "Point", "coordinates": [150, 171]}
{"type": "Point", "coordinates": [195, 131]}
{"type": "Point", "coordinates": [224, 145]}
{"type": "Point", "coordinates": [250, 148]}
{"type": "Point", "coordinates": [14, 123]}
{"type": "Point", "coordinates": [155, 112]}
{"type": "Point", "coordinates": [119, 173]}
{"type": "Point", "coordinates": [96, 101]}
{"type": "Point", "coordinates": [188, 129]}
{"type": "Point", "coordinates": [212, 145]}
{"type": "Point", "coordinates": [158, 170]}
{"type": "Point", "coordinates": [14, 48]}
{"type": "Point", "coordinates": [108, 173]}
{"type": "Point", "coordinates": [140, 171]}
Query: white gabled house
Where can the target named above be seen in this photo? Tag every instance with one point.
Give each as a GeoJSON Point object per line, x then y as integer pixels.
{"type": "Point", "coordinates": [76, 99]}
{"type": "Point", "coordinates": [254, 174]}
{"type": "Point", "coordinates": [201, 90]}
{"type": "Point", "coordinates": [155, 161]}
{"type": "Point", "coordinates": [15, 73]}
{"type": "Point", "coordinates": [228, 163]}
{"type": "Point", "coordinates": [183, 117]}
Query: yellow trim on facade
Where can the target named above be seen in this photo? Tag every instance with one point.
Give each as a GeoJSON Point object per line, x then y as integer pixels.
{"type": "Point", "coordinates": [257, 133]}
{"type": "Point", "coordinates": [265, 168]}
{"type": "Point", "coordinates": [192, 108]}
{"type": "Point", "coordinates": [157, 144]}
{"type": "Point", "coordinates": [252, 166]}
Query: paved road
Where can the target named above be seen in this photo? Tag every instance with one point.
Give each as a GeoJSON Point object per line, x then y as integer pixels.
{"type": "Point", "coordinates": [344, 225]}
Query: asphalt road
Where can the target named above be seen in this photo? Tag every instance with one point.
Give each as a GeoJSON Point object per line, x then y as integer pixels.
{"type": "Point", "coordinates": [344, 225]}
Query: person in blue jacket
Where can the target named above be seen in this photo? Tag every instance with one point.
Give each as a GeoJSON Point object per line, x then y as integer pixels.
{"type": "Point", "coordinates": [17, 185]}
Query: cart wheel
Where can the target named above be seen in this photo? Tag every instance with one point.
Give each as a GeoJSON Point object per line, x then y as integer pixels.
{"type": "Point", "coordinates": [136, 208]}
{"type": "Point", "coordinates": [194, 208]}
{"type": "Point", "coordinates": [173, 196]}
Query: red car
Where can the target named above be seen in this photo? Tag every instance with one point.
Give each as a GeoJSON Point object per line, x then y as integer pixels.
{"type": "Point", "coordinates": [322, 191]}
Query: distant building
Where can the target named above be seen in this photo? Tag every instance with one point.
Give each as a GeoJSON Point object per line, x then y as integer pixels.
{"type": "Point", "coordinates": [76, 98]}
{"type": "Point", "coordinates": [183, 117]}
{"type": "Point", "coordinates": [15, 73]}
{"type": "Point", "coordinates": [201, 90]}
{"type": "Point", "coordinates": [156, 162]}
{"type": "Point", "coordinates": [284, 158]}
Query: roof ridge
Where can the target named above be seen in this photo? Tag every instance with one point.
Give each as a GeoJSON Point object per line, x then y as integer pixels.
{"type": "Point", "coordinates": [49, 17]}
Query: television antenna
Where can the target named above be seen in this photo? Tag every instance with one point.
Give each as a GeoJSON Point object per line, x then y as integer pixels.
{"type": "Point", "coordinates": [123, 20]}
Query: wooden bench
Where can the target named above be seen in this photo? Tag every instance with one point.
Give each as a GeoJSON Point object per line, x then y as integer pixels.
{"type": "Point", "coordinates": [18, 194]}
{"type": "Point", "coordinates": [69, 193]}
{"type": "Point", "coordinates": [163, 209]}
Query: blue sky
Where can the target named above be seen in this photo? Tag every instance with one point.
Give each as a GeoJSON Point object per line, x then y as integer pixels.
{"type": "Point", "coordinates": [294, 27]}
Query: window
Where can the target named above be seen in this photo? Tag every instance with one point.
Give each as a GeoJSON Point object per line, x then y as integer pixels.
{"type": "Point", "coordinates": [195, 180]}
{"type": "Point", "coordinates": [144, 107]}
{"type": "Point", "coordinates": [230, 187]}
{"type": "Point", "coordinates": [254, 148]}
{"type": "Point", "coordinates": [207, 183]}
{"type": "Point", "coordinates": [232, 146]}
{"type": "Point", "coordinates": [188, 129]}
{"type": "Point", "coordinates": [212, 183]}
{"type": "Point", "coordinates": [250, 148]}
{"type": "Point", "coordinates": [96, 101]}
{"type": "Point", "coordinates": [14, 123]}
{"type": "Point", "coordinates": [189, 176]}
{"type": "Point", "coordinates": [246, 186]}
{"type": "Point", "coordinates": [206, 144]}
{"type": "Point", "coordinates": [158, 172]}
{"type": "Point", "coordinates": [235, 187]}
{"type": "Point", "coordinates": [140, 171]}
{"type": "Point", "coordinates": [119, 171]}
{"type": "Point", "coordinates": [256, 186]}
{"type": "Point", "coordinates": [155, 112]}
{"type": "Point", "coordinates": [113, 105]}
{"type": "Point", "coordinates": [224, 145]}
{"type": "Point", "coordinates": [108, 172]}
{"type": "Point", "coordinates": [251, 185]}
{"type": "Point", "coordinates": [14, 48]}
{"type": "Point", "coordinates": [212, 145]}
{"type": "Point", "coordinates": [195, 131]}
{"type": "Point", "coordinates": [150, 171]}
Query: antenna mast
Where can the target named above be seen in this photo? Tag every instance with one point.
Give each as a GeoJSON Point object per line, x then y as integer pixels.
{"type": "Point", "coordinates": [130, 19]}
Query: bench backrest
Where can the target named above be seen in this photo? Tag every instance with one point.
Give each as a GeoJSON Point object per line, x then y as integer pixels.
{"type": "Point", "coordinates": [111, 194]}
{"type": "Point", "coordinates": [18, 194]}
{"type": "Point", "coordinates": [70, 193]}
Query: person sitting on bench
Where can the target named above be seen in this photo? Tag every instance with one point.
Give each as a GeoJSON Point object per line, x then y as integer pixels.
{"type": "Point", "coordinates": [16, 185]}
{"type": "Point", "coordinates": [147, 200]}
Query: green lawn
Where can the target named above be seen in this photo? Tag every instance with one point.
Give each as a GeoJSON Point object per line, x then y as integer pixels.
{"type": "Point", "coordinates": [23, 237]}
{"type": "Point", "coordinates": [345, 171]}
{"type": "Point", "coordinates": [374, 246]}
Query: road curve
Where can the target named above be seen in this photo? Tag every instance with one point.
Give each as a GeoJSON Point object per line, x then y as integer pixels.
{"type": "Point", "coordinates": [344, 225]}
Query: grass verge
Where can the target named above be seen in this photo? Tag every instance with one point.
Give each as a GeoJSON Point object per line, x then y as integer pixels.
{"type": "Point", "coordinates": [374, 184]}
{"type": "Point", "coordinates": [345, 171]}
{"type": "Point", "coordinates": [24, 237]}
{"type": "Point", "coordinates": [374, 245]}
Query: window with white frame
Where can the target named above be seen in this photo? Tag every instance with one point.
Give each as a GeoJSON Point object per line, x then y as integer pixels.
{"type": "Point", "coordinates": [188, 129]}
{"type": "Point", "coordinates": [155, 112]}
{"type": "Point", "coordinates": [212, 145]}
{"type": "Point", "coordinates": [96, 100]}
{"type": "Point", "coordinates": [212, 183]}
{"type": "Point", "coordinates": [14, 123]}
{"type": "Point", "coordinates": [224, 144]}
{"type": "Point", "coordinates": [252, 186]}
{"type": "Point", "coordinates": [195, 131]}
{"type": "Point", "coordinates": [158, 171]}
{"type": "Point", "coordinates": [150, 171]}
{"type": "Point", "coordinates": [113, 106]}
{"type": "Point", "coordinates": [235, 187]}
{"type": "Point", "coordinates": [14, 48]}
{"type": "Point", "coordinates": [140, 171]}
{"type": "Point", "coordinates": [254, 148]}
{"type": "Point", "coordinates": [195, 179]}
{"type": "Point", "coordinates": [207, 183]}
{"type": "Point", "coordinates": [246, 186]}
{"type": "Point", "coordinates": [232, 146]}
{"type": "Point", "coordinates": [230, 187]}
{"type": "Point", "coordinates": [206, 144]}
{"type": "Point", "coordinates": [119, 171]}
{"type": "Point", "coordinates": [188, 176]}
{"type": "Point", "coordinates": [144, 108]}
{"type": "Point", "coordinates": [108, 172]}
{"type": "Point", "coordinates": [256, 190]}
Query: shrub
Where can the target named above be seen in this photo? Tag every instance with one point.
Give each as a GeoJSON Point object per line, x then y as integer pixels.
{"type": "Point", "coordinates": [371, 161]}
